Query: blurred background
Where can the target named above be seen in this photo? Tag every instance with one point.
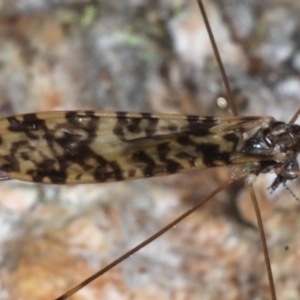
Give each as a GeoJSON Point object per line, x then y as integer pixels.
{"type": "Point", "coordinates": [151, 56]}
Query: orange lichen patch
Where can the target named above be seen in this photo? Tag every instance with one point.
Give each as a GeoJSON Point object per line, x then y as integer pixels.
{"type": "Point", "coordinates": [17, 200]}
{"type": "Point", "coordinates": [42, 272]}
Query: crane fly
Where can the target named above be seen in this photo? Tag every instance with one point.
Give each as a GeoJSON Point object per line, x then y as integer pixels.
{"type": "Point", "coordinates": [76, 147]}
{"type": "Point", "coordinates": [86, 146]}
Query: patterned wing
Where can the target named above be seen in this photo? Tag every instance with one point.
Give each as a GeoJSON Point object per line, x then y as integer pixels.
{"type": "Point", "coordinates": [87, 146]}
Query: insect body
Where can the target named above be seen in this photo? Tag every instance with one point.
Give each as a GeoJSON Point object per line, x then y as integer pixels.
{"type": "Point", "coordinates": [63, 148]}
{"type": "Point", "coordinates": [86, 146]}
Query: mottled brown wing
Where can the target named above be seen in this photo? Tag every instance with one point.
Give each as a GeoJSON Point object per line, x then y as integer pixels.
{"type": "Point", "coordinates": [87, 146]}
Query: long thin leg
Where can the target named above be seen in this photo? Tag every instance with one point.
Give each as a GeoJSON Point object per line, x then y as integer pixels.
{"type": "Point", "coordinates": [146, 242]}
{"type": "Point", "coordinates": [218, 58]}
{"type": "Point", "coordinates": [263, 241]}
{"type": "Point", "coordinates": [234, 112]}
{"type": "Point", "coordinates": [295, 117]}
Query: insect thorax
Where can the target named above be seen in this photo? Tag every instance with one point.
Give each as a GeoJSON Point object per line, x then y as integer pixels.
{"type": "Point", "coordinates": [277, 146]}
